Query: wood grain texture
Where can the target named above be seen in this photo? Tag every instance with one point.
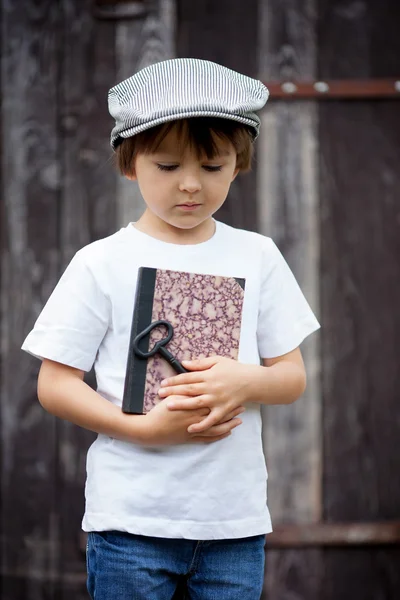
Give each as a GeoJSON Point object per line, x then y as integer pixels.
{"type": "Point", "coordinates": [358, 39]}
{"type": "Point", "coordinates": [364, 574]}
{"type": "Point", "coordinates": [21, 586]}
{"type": "Point", "coordinates": [29, 269]}
{"type": "Point", "coordinates": [361, 293]}
{"type": "Point", "coordinates": [360, 249]}
{"type": "Point", "coordinates": [87, 70]}
{"type": "Point", "coordinates": [87, 206]}
{"type": "Point", "coordinates": [288, 212]}
{"type": "Point", "coordinates": [288, 209]}
{"type": "Point", "coordinates": [139, 43]}
{"type": "Point", "coordinates": [293, 574]}
{"type": "Point", "coordinates": [58, 194]}
{"type": "Point", "coordinates": [227, 33]}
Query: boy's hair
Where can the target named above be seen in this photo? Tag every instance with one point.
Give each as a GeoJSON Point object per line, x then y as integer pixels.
{"type": "Point", "coordinates": [199, 133]}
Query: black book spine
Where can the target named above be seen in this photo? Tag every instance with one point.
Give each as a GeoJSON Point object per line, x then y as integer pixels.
{"type": "Point", "coordinates": [136, 367]}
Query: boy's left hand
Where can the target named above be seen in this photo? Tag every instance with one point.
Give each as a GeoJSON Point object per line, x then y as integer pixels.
{"type": "Point", "coordinates": [220, 384]}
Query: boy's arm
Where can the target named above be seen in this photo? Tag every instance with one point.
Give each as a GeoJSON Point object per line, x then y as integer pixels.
{"type": "Point", "coordinates": [63, 393]}
{"type": "Point", "coordinates": [287, 379]}
{"type": "Point", "coordinates": [222, 384]}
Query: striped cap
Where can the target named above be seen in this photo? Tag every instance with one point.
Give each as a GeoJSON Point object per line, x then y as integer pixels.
{"type": "Point", "coordinates": [181, 88]}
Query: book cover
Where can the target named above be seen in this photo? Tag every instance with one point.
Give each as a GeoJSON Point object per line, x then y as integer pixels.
{"type": "Point", "coordinates": [205, 312]}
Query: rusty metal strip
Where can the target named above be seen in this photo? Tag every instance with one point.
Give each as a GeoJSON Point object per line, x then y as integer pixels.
{"type": "Point", "coordinates": [335, 89]}
{"type": "Point", "coordinates": [115, 10]}
{"type": "Point", "coordinates": [335, 534]}
{"type": "Point", "coordinates": [113, 2]}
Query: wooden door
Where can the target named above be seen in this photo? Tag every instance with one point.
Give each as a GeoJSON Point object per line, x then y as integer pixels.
{"type": "Point", "coordinates": [330, 196]}
{"type": "Point", "coordinates": [324, 186]}
{"type": "Point", "coordinates": [56, 195]}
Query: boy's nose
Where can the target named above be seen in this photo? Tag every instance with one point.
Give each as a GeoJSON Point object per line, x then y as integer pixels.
{"type": "Point", "coordinates": [190, 183]}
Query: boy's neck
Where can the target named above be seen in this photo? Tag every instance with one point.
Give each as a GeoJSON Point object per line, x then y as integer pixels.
{"type": "Point", "coordinates": [159, 229]}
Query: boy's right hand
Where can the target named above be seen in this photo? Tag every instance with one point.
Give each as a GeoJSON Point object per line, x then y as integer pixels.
{"type": "Point", "coordinates": [162, 426]}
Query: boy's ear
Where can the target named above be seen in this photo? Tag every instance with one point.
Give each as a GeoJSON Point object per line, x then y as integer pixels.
{"type": "Point", "coordinates": [131, 175]}
{"type": "Point", "coordinates": [236, 171]}
{"type": "Point", "coordinates": [132, 172]}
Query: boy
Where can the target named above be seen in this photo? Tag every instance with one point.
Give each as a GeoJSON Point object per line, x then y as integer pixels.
{"type": "Point", "coordinates": [180, 492]}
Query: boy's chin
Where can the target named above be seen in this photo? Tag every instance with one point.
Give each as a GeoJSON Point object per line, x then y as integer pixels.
{"type": "Point", "coordinates": [189, 222]}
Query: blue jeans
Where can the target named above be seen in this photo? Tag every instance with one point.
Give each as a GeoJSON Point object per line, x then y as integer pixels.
{"type": "Point", "coordinates": [123, 566]}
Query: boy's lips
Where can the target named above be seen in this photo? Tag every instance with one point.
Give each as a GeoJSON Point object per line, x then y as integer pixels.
{"type": "Point", "coordinates": [189, 206]}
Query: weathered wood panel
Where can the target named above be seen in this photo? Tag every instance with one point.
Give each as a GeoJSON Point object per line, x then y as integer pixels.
{"type": "Point", "coordinates": [58, 194]}
{"type": "Point", "coordinates": [87, 207]}
{"type": "Point", "coordinates": [360, 292]}
{"type": "Point", "coordinates": [29, 269]}
{"type": "Point", "coordinates": [141, 42]}
{"type": "Point", "coordinates": [362, 574]}
{"type": "Point", "coordinates": [288, 209]}
{"type": "Point", "coordinates": [225, 32]}
{"type": "Point", "coordinates": [360, 296]}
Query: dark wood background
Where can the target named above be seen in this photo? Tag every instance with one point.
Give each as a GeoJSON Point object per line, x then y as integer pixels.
{"type": "Point", "coordinates": [359, 145]}
{"type": "Point", "coordinates": [58, 192]}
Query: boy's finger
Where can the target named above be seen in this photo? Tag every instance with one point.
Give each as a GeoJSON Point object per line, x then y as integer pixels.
{"type": "Point", "coordinates": [181, 379]}
{"type": "Point", "coordinates": [235, 413]}
{"type": "Point", "coordinates": [201, 364]}
{"type": "Point", "coordinates": [187, 403]}
{"type": "Point", "coordinates": [222, 428]}
{"type": "Point", "coordinates": [190, 389]}
{"type": "Point", "coordinates": [213, 418]}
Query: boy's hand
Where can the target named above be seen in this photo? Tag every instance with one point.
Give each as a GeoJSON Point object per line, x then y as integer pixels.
{"type": "Point", "coordinates": [217, 383]}
{"type": "Point", "coordinates": [164, 427]}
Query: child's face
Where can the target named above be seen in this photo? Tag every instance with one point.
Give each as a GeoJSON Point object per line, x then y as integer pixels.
{"type": "Point", "coordinates": [181, 189]}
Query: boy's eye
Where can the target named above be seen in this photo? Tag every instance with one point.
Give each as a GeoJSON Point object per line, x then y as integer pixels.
{"type": "Point", "coordinates": [209, 168]}
{"type": "Point", "coordinates": [167, 167]}
{"type": "Point", "coordinates": [212, 169]}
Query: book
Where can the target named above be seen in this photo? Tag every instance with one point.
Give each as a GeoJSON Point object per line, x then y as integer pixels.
{"type": "Point", "coordinates": [202, 315]}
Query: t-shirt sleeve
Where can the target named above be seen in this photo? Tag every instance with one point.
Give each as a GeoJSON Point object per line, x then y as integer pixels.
{"type": "Point", "coordinates": [74, 321]}
{"type": "Point", "coordinates": [285, 318]}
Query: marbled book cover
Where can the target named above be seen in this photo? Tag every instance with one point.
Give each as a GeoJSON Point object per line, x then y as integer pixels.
{"type": "Point", "coordinates": [205, 312]}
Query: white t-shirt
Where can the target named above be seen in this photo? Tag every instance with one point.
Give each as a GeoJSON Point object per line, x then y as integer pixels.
{"type": "Point", "coordinates": [193, 491]}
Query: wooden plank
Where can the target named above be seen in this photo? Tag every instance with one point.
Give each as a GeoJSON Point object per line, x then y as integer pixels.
{"type": "Point", "coordinates": [288, 208]}
{"type": "Point", "coordinates": [360, 295]}
{"type": "Point", "coordinates": [360, 249]}
{"type": "Point", "coordinates": [199, 36]}
{"type": "Point", "coordinates": [361, 292]}
{"type": "Point", "coordinates": [367, 573]}
{"type": "Point", "coordinates": [87, 213]}
{"type": "Point", "coordinates": [141, 42]}
{"type": "Point", "coordinates": [19, 587]}
{"type": "Point", "coordinates": [29, 268]}
{"type": "Point", "coordinates": [89, 182]}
